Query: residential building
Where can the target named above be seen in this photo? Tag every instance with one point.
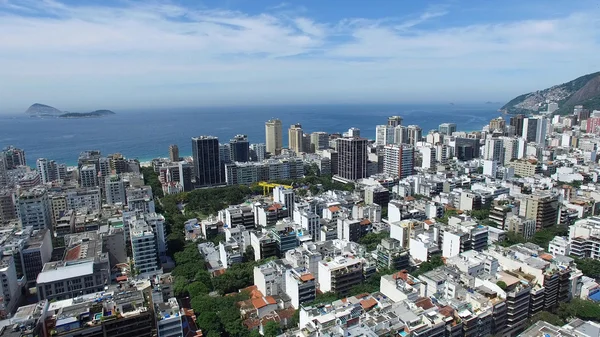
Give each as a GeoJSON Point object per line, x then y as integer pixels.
{"type": "Point", "coordinates": [398, 160]}
{"type": "Point", "coordinates": [273, 136]}
{"type": "Point", "coordinates": [140, 199]}
{"type": "Point", "coordinates": [300, 286]}
{"type": "Point", "coordinates": [295, 136]}
{"type": "Point", "coordinates": [340, 274]}
{"type": "Point", "coordinates": [144, 247]}
{"type": "Point", "coordinates": [319, 141]}
{"type": "Point", "coordinates": [240, 149]}
{"type": "Point", "coordinates": [114, 190]}
{"type": "Point", "coordinates": [352, 158]}
{"type": "Point", "coordinates": [88, 176]}
{"type": "Point", "coordinates": [8, 210]}
{"type": "Point", "coordinates": [174, 153]}
{"type": "Point", "coordinates": [258, 152]}
{"type": "Point", "coordinates": [34, 208]}
{"type": "Point", "coordinates": [525, 168]}
{"type": "Point", "coordinates": [207, 162]}
{"type": "Point", "coordinates": [168, 318]}
{"type": "Point", "coordinates": [543, 208]}
{"type": "Point", "coordinates": [447, 128]}
{"type": "Point", "coordinates": [115, 312]}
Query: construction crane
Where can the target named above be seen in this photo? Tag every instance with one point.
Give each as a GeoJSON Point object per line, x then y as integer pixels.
{"type": "Point", "coordinates": [268, 187]}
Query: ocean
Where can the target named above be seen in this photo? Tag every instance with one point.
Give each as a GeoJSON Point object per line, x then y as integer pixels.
{"type": "Point", "coordinates": [147, 134]}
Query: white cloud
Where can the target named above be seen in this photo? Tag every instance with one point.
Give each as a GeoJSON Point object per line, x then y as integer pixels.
{"type": "Point", "coordinates": [166, 54]}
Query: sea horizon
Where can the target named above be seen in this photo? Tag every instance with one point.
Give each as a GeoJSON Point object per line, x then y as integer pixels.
{"type": "Point", "coordinates": [145, 134]}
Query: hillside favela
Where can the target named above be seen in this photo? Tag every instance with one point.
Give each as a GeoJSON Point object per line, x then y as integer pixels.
{"type": "Point", "coordinates": [299, 169]}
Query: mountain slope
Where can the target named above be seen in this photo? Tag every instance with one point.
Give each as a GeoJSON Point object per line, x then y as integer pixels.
{"type": "Point", "coordinates": [584, 90]}
{"type": "Point", "coordinates": [38, 109]}
{"type": "Point", "coordinates": [42, 110]}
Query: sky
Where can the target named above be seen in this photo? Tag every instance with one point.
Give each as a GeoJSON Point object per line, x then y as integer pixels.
{"type": "Point", "coordinates": [111, 54]}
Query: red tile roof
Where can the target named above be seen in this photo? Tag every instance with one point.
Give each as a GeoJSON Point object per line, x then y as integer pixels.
{"type": "Point", "coordinates": [333, 209]}
{"type": "Point", "coordinates": [424, 303]}
{"type": "Point", "coordinates": [368, 304]}
{"type": "Point", "coordinates": [73, 253]}
{"type": "Point", "coordinates": [307, 277]}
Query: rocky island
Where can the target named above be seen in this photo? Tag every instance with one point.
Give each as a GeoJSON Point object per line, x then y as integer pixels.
{"type": "Point", "coordinates": [42, 110]}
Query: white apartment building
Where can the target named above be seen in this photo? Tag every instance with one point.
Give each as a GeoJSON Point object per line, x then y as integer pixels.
{"type": "Point", "coordinates": [340, 274]}
{"type": "Point", "coordinates": [10, 289]}
{"type": "Point", "coordinates": [144, 247]}
{"type": "Point", "coordinates": [140, 199]}
{"type": "Point", "coordinates": [584, 238]}
{"type": "Point", "coordinates": [300, 286]}
{"type": "Point", "coordinates": [88, 176]}
{"type": "Point", "coordinates": [168, 321]}
{"type": "Point", "coordinates": [34, 208]}
{"type": "Point", "coordinates": [398, 160]}
{"type": "Point", "coordinates": [559, 246]}
{"type": "Point", "coordinates": [114, 190]}
{"type": "Point", "coordinates": [88, 199]}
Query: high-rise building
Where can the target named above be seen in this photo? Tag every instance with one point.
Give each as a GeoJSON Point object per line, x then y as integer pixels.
{"type": "Point", "coordinates": [352, 158]}
{"type": "Point", "coordinates": [8, 211]}
{"type": "Point", "coordinates": [273, 136]}
{"type": "Point", "coordinates": [593, 125]}
{"type": "Point", "coordinates": [14, 157]}
{"type": "Point", "coordinates": [352, 132]}
{"type": "Point", "coordinates": [543, 208]}
{"type": "Point", "coordinates": [48, 170]}
{"type": "Point", "coordinates": [447, 128]}
{"type": "Point", "coordinates": [466, 148]}
{"type": "Point", "coordinates": [517, 122]}
{"type": "Point", "coordinates": [295, 136]}
{"type": "Point", "coordinates": [34, 208]}
{"type": "Point", "coordinates": [88, 176]}
{"type": "Point", "coordinates": [400, 135]}
{"type": "Point", "coordinates": [258, 152]}
{"type": "Point", "coordinates": [239, 149]}
{"type": "Point", "coordinates": [207, 164]}
{"type": "Point", "coordinates": [494, 150]}
{"type": "Point", "coordinates": [497, 124]}
{"type": "Point", "coordinates": [541, 130]}
{"type": "Point", "coordinates": [173, 152]}
{"type": "Point", "coordinates": [384, 135]}
{"type": "Point", "coordinates": [530, 126]}
{"type": "Point", "coordinates": [398, 160]}
{"type": "Point", "coordinates": [186, 173]}
{"type": "Point", "coordinates": [394, 121]}
{"type": "Point", "coordinates": [415, 134]}
{"type": "Point", "coordinates": [319, 141]}
{"type": "Point", "coordinates": [114, 190]}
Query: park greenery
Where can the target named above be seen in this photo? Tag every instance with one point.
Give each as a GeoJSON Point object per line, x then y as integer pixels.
{"type": "Point", "coordinates": [371, 240]}
{"type": "Point", "coordinates": [541, 238]}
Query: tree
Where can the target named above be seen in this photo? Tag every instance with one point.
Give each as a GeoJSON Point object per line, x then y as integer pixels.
{"type": "Point", "coordinates": [371, 240]}
{"type": "Point", "coordinates": [151, 179]}
{"type": "Point", "coordinates": [480, 214]}
{"type": "Point", "coordinates": [589, 267]}
{"type": "Point", "coordinates": [271, 329]}
{"type": "Point", "coordinates": [434, 262]}
{"type": "Point", "coordinates": [583, 309]}
{"type": "Point", "coordinates": [209, 322]}
{"type": "Point", "coordinates": [447, 214]}
{"type": "Point", "coordinates": [501, 284]}
{"type": "Point", "coordinates": [546, 317]}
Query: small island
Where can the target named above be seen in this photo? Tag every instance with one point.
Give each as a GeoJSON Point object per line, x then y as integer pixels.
{"type": "Point", "coordinates": [42, 110]}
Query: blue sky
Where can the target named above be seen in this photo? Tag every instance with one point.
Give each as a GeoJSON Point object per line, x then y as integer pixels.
{"type": "Point", "coordinates": [81, 55]}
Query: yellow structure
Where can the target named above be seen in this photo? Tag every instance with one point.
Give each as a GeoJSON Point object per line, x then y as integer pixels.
{"type": "Point", "coordinates": [268, 187]}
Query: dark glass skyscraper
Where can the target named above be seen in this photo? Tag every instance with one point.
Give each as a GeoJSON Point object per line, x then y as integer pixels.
{"type": "Point", "coordinates": [207, 165]}
{"type": "Point", "coordinates": [240, 149]}
{"type": "Point", "coordinates": [352, 157]}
